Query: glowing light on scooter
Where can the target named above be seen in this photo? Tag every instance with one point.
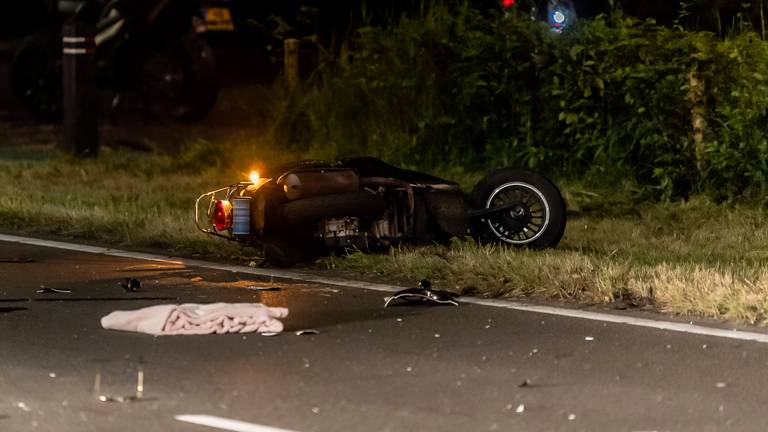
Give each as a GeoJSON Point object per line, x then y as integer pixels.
{"type": "Point", "coordinates": [254, 176]}
{"type": "Point", "coordinates": [559, 17]}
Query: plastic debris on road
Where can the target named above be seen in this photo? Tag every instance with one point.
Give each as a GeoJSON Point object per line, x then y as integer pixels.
{"type": "Point", "coordinates": [424, 293]}
{"type": "Point", "coordinates": [139, 395]}
{"type": "Point", "coordinates": [131, 284]}
{"type": "Point", "coordinates": [47, 290]}
{"type": "Point", "coordinates": [307, 332]}
{"type": "Point", "coordinates": [263, 288]}
{"type": "Point", "coordinates": [520, 409]}
{"type": "Point", "coordinates": [22, 406]}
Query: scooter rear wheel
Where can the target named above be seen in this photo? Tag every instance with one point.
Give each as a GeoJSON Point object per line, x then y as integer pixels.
{"type": "Point", "coordinates": [531, 212]}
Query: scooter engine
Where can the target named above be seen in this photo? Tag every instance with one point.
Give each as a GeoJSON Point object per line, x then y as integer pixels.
{"type": "Point", "coordinates": [344, 233]}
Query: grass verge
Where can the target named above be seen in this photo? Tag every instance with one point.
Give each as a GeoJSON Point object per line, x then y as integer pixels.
{"type": "Point", "coordinates": [691, 257]}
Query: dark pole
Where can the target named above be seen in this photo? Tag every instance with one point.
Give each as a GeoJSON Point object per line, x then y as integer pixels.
{"type": "Point", "coordinates": [80, 127]}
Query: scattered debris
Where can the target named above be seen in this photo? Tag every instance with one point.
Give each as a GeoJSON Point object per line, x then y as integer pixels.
{"type": "Point", "coordinates": [16, 260]}
{"type": "Point", "coordinates": [524, 384]}
{"type": "Point", "coordinates": [196, 279]}
{"type": "Point", "coordinates": [316, 410]}
{"type": "Point", "coordinates": [252, 264]}
{"type": "Point", "coordinates": [52, 374]}
{"type": "Point", "coordinates": [437, 335]}
{"type": "Point", "coordinates": [269, 333]}
{"type": "Point", "coordinates": [307, 332]}
{"type": "Point", "coordinates": [721, 385]}
{"type": "Point", "coordinates": [589, 338]}
{"type": "Point", "coordinates": [263, 288]}
{"type": "Point", "coordinates": [424, 293]}
{"type": "Point", "coordinates": [45, 290]}
{"type": "Point", "coordinates": [571, 416]}
{"type": "Point", "coordinates": [22, 406]}
{"type": "Point", "coordinates": [120, 399]}
{"type": "Point", "coordinates": [131, 284]}
{"type": "Point", "coordinates": [520, 409]}
{"type": "Point", "coordinates": [533, 352]}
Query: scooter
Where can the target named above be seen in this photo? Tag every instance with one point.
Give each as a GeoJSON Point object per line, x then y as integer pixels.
{"type": "Point", "coordinates": [311, 208]}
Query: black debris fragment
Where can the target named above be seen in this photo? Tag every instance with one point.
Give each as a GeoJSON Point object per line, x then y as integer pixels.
{"type": "Point", "coordinates": [524, 384]}
{"type": "Point", "coordinates": [16, 260]}
{"type": "Point", "coordinates": [423, 293]}
{"type": "Point", "coordinates": [131, 284]}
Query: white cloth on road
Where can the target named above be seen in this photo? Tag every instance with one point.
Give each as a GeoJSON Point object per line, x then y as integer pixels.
{"type": "Point", "coordinates": [198, 319]}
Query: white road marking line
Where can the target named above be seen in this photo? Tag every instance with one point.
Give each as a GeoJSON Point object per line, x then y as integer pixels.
{"type": "Point", "coordinates": [226, 424]}
{"type": "Point", "coordinates": [306, 277]}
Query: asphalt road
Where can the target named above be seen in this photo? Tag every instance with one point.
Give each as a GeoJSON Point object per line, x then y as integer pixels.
{"type": "Point", "coordinates": [405, 368]}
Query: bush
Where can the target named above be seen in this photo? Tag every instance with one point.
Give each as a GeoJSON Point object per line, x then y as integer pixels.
{"type": "Point", "coordinates": [609, 99]}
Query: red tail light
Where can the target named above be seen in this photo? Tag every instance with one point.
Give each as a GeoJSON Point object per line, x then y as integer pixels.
{"type": "Point", "coordinates": [506, 4]}
{"type": "Point", "coordinates": [222, 215]}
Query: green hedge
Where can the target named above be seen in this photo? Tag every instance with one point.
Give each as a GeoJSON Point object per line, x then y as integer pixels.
{"type": "Point", "coordinates": [608, 99]}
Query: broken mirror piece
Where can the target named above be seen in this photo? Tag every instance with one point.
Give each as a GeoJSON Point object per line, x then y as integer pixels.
{"type": "Point", "coordinates": [46, 290]}
{"type": "Point", "coordinates": [131, 284]}
{"type": "Point", "coordinates": [424, 293]}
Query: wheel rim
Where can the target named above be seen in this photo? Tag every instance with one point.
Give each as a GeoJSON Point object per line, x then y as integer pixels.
{"type": "Point", "coordinates": [528, 218]}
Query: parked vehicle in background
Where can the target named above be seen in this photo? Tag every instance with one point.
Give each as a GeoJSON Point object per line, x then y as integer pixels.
{"type": "Point", "coordinates": [143, 47]}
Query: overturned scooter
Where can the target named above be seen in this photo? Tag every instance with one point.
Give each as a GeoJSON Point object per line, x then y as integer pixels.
{"type": "Point", "coordinates": [310, 208]}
